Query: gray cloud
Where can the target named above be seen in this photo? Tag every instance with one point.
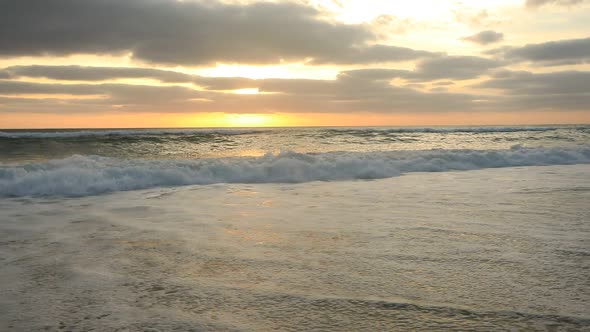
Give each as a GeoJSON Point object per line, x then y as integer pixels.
{"type": "Point", "coordinates": [374, 74]}
{"type": "Point", "coordinates": [279, 95]}
{"type": "Point", "coordinates": [225, 83]}
{"type": "Point", "coordinates": [571, 51]}
{"type": "Point", "coordinates": [455, 67]}
{"type": "Point", "coordinates": [374, 54]}
{"type": "Point", "coordinates": [448, 67]}
{"type": "Point", "coordinates": [544, 103]}
{"type": "Point", "coordinates": [527, 83]}
{"type": "Point", "coordinates": [444, 83]}
{"type": "Point", "coordinates": [16, 88]}
{"type": "Point", "coordinates": [93, 74]}
{"type": "Point", "coordinates": [539, 3]}
{"type": "Point", "coordinates": [485, 37]}
{"type": "Point", "coordinates": [367, 90]}
{"type": "Point", "coordinates": [557, 91]}
{"type": "Point", "coordinates": [113, 94]}
{"type": "Point", "coordinates": [188, 32]}
{"type": "Point", "coordinates": [82, 73]}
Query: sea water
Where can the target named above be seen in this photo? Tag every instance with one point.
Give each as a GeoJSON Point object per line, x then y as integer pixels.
{"type": "Point", "coordinates": [463, 228]}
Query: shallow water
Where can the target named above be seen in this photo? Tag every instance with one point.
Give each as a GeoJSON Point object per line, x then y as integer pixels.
{"type": "Point", "coordinates": [183, 144]}
{"type": "Point", "coordinates": [490, 249]}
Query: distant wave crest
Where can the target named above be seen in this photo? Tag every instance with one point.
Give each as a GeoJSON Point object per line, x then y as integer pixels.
{"type": "Point", "coordinates": [91, 175]}
{"type": "Point", "coordinates": [229, 131]}
{"type": "Point", "coordinates": [123, 132]}
{"type": "Point", "coordinates": [444, 130]}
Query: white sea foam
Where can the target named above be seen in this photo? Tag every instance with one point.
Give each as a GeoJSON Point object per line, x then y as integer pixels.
{"type": "Point", "coordinates": [90, 175]}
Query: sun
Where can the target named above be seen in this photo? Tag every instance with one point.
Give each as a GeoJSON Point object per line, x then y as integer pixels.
{"type": "Point", "coordinates": [248, 120]}
{"type": "Point", "coordinates": [247, 91]}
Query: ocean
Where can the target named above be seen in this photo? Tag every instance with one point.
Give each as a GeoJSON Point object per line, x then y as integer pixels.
{"type": "Point", "coordinates": [295, 229]}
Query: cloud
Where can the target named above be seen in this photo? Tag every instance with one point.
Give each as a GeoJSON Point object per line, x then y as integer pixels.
{"type": "Point", "coordinates": [528, 83]}
{"type": "Point", "coordinates": [95, 74]}
{"type": "Point", "coordinates": [363, 90]}
{"type": "Point", "coordinates": [447, 67]}
{"type": "Point", "coordinates": [343, 95]}
{"type": "Point", "coordinates": [84, 73]}
{"type": "Point", "coordinates": [570, 51]}
{"type": "Point", "coordinates": [444, 83]}
{"type": "Point", "coordinates": [557, 91]}
{"type": "Point", "coordinates": [485, 37]}
{"type": "Point", "coordinates": [225, 83]}
{"type": "Point", "coordinates": [374, 54]}
{"type": "Point", "coordinates": [527, 91]}
{"type": "Point", "coordinates": [189, 33]}
{"type": "Point", "coordinates": [455, 67]}
{"type": "Point", "coordinates": [374, 74]}
{"type": "Point", "coordinates": [16, 88]}
{"type": "Point", "coordinates": [539, 3]}
{"type": "Point", "coordinates": [107, 94]}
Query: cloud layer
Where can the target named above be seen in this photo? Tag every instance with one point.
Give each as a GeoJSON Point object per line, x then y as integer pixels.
{"type": "Point", "coordinates": [353, 91]}
{"type": "Point", "coordinates": [189, 33]}
{"type": "Point", "coordinates": [538, 3]}
{"type": "Point", "coordinates": [167, 39]}
{"type": "Point", "coordinates": [561, 52]}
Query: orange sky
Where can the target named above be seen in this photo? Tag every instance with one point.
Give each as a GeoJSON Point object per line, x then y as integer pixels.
{"type": "Point", "coordinates": [151, 120]}
{"type": "Point", "coordinates": [318, 63]}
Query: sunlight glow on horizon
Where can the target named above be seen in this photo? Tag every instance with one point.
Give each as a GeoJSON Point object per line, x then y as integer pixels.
{"type": "Point", "coordinates": [248, 120]}
{"type": "Point", "coordinates": [246, 91]}
{"type": "Point", "coordinates": [233, 120]}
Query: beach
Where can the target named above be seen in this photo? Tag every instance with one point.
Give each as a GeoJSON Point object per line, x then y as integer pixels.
{"type": "Point", "coordinates": [489, 249]}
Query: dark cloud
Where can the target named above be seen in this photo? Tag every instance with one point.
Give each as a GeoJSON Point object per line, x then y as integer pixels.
{"type": "Point", "coordinates": [571, 51]}
{"type": "Point", "coordinates": [539, 3]}
{"type": "Point", "coordinates": [485, 37]}
{"type": "Point", "coordinates": [188, 32]}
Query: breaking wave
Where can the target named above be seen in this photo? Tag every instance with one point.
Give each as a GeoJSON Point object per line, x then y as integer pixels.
{"type": "Point", "coordinates": [444, 130]}
{"type": "Point", "coordinates": [91, 175]}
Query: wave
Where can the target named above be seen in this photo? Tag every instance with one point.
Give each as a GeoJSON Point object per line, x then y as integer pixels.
{"type": "Point", "coordinates": [443, 130]}
{"type": "Point", "coordinates": [196, 131]}
{"type": "Point", "coordinates": [123, 132]}
{"type": "Point", "coordinates": [91, 175]}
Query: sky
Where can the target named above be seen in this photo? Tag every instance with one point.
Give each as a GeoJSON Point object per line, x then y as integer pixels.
{"type": "Point", "coordinates": [242, 63]}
